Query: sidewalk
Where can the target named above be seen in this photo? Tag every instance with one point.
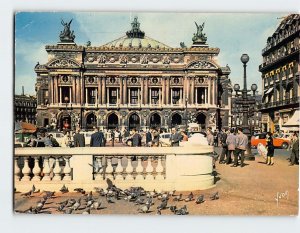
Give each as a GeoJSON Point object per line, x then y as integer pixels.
{"type": "Point", "coordinates": [251, 190]}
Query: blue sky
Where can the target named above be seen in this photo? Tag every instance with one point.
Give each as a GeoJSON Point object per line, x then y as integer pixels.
{"type": "Point", "coordinates": [234, 34]}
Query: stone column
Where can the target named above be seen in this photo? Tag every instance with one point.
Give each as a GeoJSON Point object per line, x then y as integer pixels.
{"type": "Point", "coordinates": [104, 91]}
{"type": "Point", "coordinates": [196, 94]}
{"type": "Point", "coordinates": [99, 90]}
{"type": "Point", "coordinates": [193, 91]}
{"type": "Point", "coordinates": [163, 90]}
{"type": "Point", "coordinates": [146, 91]}
{"type": "Point", "coordinates": [209, 90]}
{"type": "Point", "coordinates": [142, 90]}
{"type": "Point", "coordinates": [70, 94]}
{"type": "Point", "coordinates": [168, 91]}
{"type": "Point", "coordinates": [73, 90]}
{"type": "Point", "coordinates": [188, 89]}
{"type": "Point", "coordinates": [121, 89]}
{"type": "Point", "coordinates": [60, 95]}
{"type": "Point", "coordinates": [125, 91]}
{"type": "Point", "coordinates": [50, 89]}
{"type": "Point", "coordinates": [82, 89]}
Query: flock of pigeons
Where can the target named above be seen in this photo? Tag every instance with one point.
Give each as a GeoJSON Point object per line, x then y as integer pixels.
{"type": "Point", "coordinates": [90, 201]}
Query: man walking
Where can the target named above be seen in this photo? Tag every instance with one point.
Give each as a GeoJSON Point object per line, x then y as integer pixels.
{"type": "Point", "coordinates": [148, 138]}
{"type": "Point", "coordinates": [175, 138]}
{"type": "Point", "coordinates": [96, 138]}
{"type": "Point", "coordinates": [210, 137]}
{"type": "Point", "coordinates": [79, 140]}
{"type": "Point", "coordinates": [136, 139]}
{"type": "Point", "coordinates": [241, 144]}
{"type": "Point", "coordinates": [223, 138]}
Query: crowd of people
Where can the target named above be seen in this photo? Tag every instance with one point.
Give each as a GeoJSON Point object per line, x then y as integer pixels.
{"type": "Point", "coordinates": [233, 142]}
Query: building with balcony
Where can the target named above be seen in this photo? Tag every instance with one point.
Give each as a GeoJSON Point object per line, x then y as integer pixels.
{"type": "Point", "coordinates": [280, 74]}
{"type": "Point", "coordinates": [25, 108]}
{"type": "Point", "coordinates": [254, 115]}
{"type": "Point", "coordinates": [132, 82]}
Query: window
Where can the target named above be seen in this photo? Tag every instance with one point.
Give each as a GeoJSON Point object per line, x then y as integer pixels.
{"type": "Point", "coordinates": [113, 96]}
{"type": "Point", "coordinates": [175, 95]}
{"type": "Point", "coordinates": [154, 96]}
{"type": "Point", "coordinates": [133, 96]}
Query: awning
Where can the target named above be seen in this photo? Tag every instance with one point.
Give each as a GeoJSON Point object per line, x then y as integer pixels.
{"type": "Point", "coordinates": [24, 127]}
{"type": "Point", "coordinates": [293, 121]}
{"type": "Point", "coordinates": [269, 91]}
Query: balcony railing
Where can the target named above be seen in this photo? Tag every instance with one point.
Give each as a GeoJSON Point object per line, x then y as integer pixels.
{"type": "Point", "coordinates": [294, 100]}
{"type": "Point", "coordinates": [152, 168]}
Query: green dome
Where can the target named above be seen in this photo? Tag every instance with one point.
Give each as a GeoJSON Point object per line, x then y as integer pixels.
{"type": "Point", "coordinates": [135, 38]}
{"type": "Point", "coordinates": [145, 42]}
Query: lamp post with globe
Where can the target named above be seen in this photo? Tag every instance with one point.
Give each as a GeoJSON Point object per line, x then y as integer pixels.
{"type": "Point", "coordinates": [246, 102]}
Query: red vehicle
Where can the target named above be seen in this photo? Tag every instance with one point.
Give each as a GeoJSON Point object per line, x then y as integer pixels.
{"type": "Point", "coordinates": [261, 138]}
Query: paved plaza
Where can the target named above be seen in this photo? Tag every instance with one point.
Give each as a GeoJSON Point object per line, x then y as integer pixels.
{"type": "Point", "coordinates": [256, 189]}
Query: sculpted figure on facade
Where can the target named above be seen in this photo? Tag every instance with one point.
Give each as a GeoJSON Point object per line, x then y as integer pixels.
{"type": "Point", "coordinates": [212, 118]}
{"type": "Point", "coordinates": [144, 59]}
{"type": "Point", "coordinates": [67, 35]}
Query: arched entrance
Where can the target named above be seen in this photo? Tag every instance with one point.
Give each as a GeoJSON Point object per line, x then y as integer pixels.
{"type": "Point", "coordinates": [176, 120]}
{"type": "Point", "coordinates": [155, 121]}
{"type": "Point", "coordinates": [134, 121]}
{"type": "Point", "coordinates": [112, 121]}
{"type": "Point", "coordinates": [65, 122]}
{"type": "Point", "coordinates": [201, 119]}
{"type": "Point", "coordinates": [91, 121]}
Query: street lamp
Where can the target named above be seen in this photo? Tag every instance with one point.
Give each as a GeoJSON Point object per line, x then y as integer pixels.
{"type": "Point", "coordinates": [66, 99]}
{"type": "Point", "coordinates": [246, 102]}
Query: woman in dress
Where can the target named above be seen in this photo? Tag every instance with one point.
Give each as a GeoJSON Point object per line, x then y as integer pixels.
{"type": "Point", "coordinates": [270, 148]}
{"type": "Point", "coordinates": [66, 140]}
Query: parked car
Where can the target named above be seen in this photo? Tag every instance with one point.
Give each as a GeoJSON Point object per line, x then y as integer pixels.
{"type": "Point", "coordinates": [261, 138]}
{"type": "Point", "coordinates": [164, 139]}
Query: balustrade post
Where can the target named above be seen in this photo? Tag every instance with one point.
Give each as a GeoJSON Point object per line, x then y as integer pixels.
{"type": "Point", "coordinates": [17, 169]}
{"type": "Point", "coordinates": [36, 169]}
{"type": "Point", "coordinates": [26, 170]}
{"type": "Point", "coordinates": [57, 170]}
{"type": "Point", "coordinates": [98, 175]}
{"type": "Point", "coordinates": [109, 169]}
{"type": "Point", "coordinates": [159, 169]}
{"type": "Point", "coordinates": [129, 169]}
{"type": "Point", "coordinates": [46, 169]}
{"type": "Point", "coordinates": [119, 170]}
{"type": "Point", "coordinates": [139, 169]}
{"type": "Point", "coordinates": [67, 169]}
{"type": "Point", "coordinates": [149, 169]}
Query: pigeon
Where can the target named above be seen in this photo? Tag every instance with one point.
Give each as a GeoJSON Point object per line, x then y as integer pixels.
{"type": "Point", "coordinates": [109, 199]}
{"type": "Point", "coordinates": [71, 202]}
{"type": "Point", "coordinates": [79, 190]}
{"type": "Point", "coordinates": [98, 190]}
{"type": "Point", "coordinates": [96, 167]}
{"type": "Point", "coordinates": [30, 192]}
{"type": "Point", "coordinates": [172, 193]}
{"type": "Point", "coordinates": [182, 211]}
{"type": "Point", "coordinates": [87, 211]}
{"type": "Point", "coordinates": [77, 204]}
{"type": "Point", "coordinates": [178, 198]}
{"type": "Point", "coordinates": [90, 203]}
{"type": "Point", "coordinates": [144, 209]}
{"type": "Point", "coordinates": [61, 207]}
{"type": "Point", "coordinates": [49, 194]}
{"type": "Point", "coordinates": [139, 201]}
{"type": "Point", "coordinates": [200, 199]}
{"type": "Point", "coordinates": [68, 211]}
{"type": "Point", "coordinates": [190, 197]}
{"type": "Point", "coordinates": [96, 204]}
{"type": "Point", "coordinates": [158, 212]}
{"type": "Point", "coordinates": [163, 205]}
{"type": "Point", "coordinates": [173, 208]}
{"type": "Point", "coordinates": [41, 204]}
{"type": "Point", "coordinates": [214, 196]}
{"type": "Point", "coordinates": [31, 210]}
{"type": "Point", "coordinates": [64, 189]}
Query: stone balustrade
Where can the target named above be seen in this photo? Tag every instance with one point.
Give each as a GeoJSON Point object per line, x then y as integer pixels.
{"type": "Point", "coordinates": [179, 168]}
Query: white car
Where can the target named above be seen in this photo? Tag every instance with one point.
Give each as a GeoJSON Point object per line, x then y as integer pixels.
{"type": "Point", "coordinates": [164, 139]}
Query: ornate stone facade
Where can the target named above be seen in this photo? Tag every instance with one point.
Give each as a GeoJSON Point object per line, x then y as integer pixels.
{"type": "Point", "coordinates": [280, 74]}
{"type": "Point", "coordinates": [134, 81]}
